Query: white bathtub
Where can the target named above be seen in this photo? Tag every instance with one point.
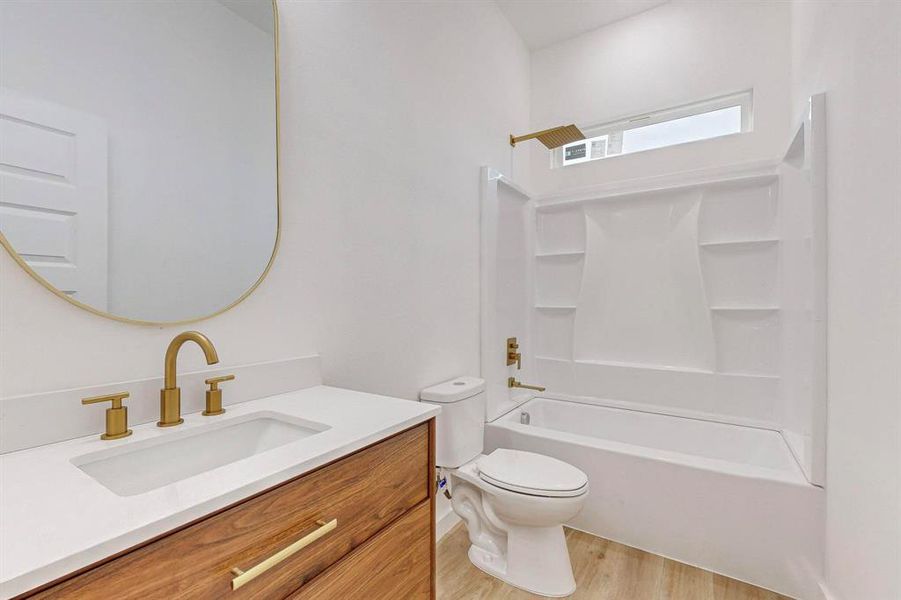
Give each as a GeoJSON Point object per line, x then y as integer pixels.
{"type": "Point", "coordinates": [726, 498]}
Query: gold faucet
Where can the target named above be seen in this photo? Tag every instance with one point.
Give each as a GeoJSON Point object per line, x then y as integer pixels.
{"type": "Point", "coordinates": [512, 383]}
{"type": "Point", "coordinates": [170, 395]}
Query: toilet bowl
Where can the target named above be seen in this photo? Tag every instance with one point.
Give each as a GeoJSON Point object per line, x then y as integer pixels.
{"type": "Point", "coordinates": [513, 503]}
{"type": "Point", "coordinates": [515, 531]}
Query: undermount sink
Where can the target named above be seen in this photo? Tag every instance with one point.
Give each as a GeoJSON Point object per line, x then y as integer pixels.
{"type": "Point", "coordinates": [146, 465]}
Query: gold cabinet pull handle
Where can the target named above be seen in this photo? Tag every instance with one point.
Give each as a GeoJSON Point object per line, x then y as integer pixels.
{"type": "Point", "coordinates": [244, 577]}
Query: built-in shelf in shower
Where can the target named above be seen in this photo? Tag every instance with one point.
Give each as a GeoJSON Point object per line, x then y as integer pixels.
{"type": "Point", "coordinates": [642, 366]}
{"type": "Point", "coordinates": [549, 307]}
{"type": "Point", "coordinates": [726, 243]}
{"type": "Point", "coordinates": [745, 308]}
{"type": "Point", "coordinates": [567, 254]}
{"type": "Point", "coordinates": [745, 211]}
{"type": "Point", "coordinates": [741, 273]}
{"type": "Point", "coordinates": [747, 339]}
{"type": "Point", "coordinates": [749, 375]}
{"type": "Point", "coordinates": [558, 277]}
{"type": "Point", "coordinates": [560, 231]}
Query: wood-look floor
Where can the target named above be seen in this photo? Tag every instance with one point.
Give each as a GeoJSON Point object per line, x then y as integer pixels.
{"type": "Point", "coordinates": [604, 570]}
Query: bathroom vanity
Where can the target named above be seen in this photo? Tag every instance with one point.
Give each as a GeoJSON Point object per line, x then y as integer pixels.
{"type": "Point", "coordinates": [345, 510]}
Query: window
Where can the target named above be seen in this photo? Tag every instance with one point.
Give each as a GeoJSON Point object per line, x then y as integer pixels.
{"type": "Point", "coordinates": [690, 123]}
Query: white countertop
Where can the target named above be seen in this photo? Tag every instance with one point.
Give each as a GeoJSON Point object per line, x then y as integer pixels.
{"type": "Point", "coordinates": [55, 519]}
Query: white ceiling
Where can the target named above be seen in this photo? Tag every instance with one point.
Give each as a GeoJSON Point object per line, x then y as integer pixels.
{"type": "Point", "coordinates": [544, 22]}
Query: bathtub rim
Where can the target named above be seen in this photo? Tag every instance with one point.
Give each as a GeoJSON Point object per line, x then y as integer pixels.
{"type": "Point", "coordinates": [657, 409]}
{"type": "Point", "coordinates": [794, 476]}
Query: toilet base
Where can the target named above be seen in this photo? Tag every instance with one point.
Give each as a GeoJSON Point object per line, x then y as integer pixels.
{"type": "Point", "coordinates": [516, 537]}
{"type": "Point", "coordinates": [537, 561]}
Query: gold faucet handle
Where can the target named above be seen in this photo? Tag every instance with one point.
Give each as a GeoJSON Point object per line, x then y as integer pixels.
{"type": "Point", "coordinates": [116, 399]}
{"type": "Point", "coordinates": [214, 382]}
{"type": "Point", "coordinates": [116, 415]}
{"type": "Point", "coordinates": [214, 395]}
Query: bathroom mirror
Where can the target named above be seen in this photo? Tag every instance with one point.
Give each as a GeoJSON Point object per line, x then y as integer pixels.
{"type": "Point", "coordinates": [138, 151]}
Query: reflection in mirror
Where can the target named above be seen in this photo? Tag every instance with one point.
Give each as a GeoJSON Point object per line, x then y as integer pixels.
{"type": "Point", "coordinates": [138, 150]}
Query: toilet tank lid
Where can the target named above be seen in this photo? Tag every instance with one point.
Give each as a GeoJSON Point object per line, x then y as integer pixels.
{"type": "Point", "coordinates": [453, 390]}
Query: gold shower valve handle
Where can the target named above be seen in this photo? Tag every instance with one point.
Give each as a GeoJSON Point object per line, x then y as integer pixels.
{"type": "Point", "coordinates": [214, 395]}
{"type": "Point", "coordinates": [116, 415]}
{"type": "Point", "coordinates": [513, 356]}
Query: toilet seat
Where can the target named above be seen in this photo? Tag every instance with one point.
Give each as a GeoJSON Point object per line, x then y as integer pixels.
{"type": "Point", "coordinates": [532, 474]}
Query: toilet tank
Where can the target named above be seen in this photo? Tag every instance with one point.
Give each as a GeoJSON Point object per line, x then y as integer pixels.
{"type": "Point", "coordinates": [461, 422]}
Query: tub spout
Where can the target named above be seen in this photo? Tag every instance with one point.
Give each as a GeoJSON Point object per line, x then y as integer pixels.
{"type": "Point", "coordinates": [513, 383]}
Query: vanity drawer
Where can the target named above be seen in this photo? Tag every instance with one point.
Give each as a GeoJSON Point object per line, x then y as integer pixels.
{"type": "Point", "coordinates": [392, 565]}
{"type": "Point", "coordinates": [364, 492]}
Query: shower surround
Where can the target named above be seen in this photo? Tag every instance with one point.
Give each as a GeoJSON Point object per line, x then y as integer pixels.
{"type": "Point", "coordinates": [695, 298]}
{"type": "Point", "coordinates": [666, 298]}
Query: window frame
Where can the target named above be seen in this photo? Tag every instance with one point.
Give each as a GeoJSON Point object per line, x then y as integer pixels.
{"type": "Point", "coordinates": [744, 99]}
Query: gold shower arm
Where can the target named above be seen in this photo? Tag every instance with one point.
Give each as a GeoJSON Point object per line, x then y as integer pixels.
{"type": "Point", "coordinates": [553, 137]}
{"type": "Point", "coordinates": [521, 138]}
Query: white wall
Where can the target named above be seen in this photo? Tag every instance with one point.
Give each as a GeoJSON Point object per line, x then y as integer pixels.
{"type": "Point", "coordinates": [186, 90]}
{"type": "Point", "coordinates": [674, 54]}
{"type": "Point", "coordinates": [395, 106]}
{"type": "Point", "coordinates": [388, 111]}
{"type": "Point", "coordinates": [852, 51]}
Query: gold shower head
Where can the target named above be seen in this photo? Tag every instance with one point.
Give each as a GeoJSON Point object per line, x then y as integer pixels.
{"type": "Point", "coordinates": [552, 138]}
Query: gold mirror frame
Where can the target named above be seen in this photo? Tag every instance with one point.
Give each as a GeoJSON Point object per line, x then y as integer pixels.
{"type": "Point", "coordinates": [278, 228]}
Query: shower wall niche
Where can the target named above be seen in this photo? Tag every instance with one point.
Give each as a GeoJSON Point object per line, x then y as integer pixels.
{"type": "Point", "coordinates": [701, 295]}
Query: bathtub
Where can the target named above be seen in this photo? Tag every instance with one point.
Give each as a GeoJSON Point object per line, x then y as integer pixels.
{"type": "Point", "coordinates": [726, 498]}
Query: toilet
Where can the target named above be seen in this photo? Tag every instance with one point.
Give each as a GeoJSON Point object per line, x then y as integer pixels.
{"type": "Point", "coordinates": [514, 503]}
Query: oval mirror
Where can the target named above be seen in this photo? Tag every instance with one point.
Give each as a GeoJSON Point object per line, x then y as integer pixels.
{"type": "Point", "coordinates": [138, 151]}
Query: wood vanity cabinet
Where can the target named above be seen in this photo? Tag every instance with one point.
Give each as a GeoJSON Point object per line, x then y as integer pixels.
{"type": "Point", "coordinates": [382, 548]}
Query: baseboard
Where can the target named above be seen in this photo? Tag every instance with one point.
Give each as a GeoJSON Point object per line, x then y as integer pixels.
{"type": "Point", "coordinates": [444, 523]}
{"type": "Point", "coordinates": [826, 592]}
